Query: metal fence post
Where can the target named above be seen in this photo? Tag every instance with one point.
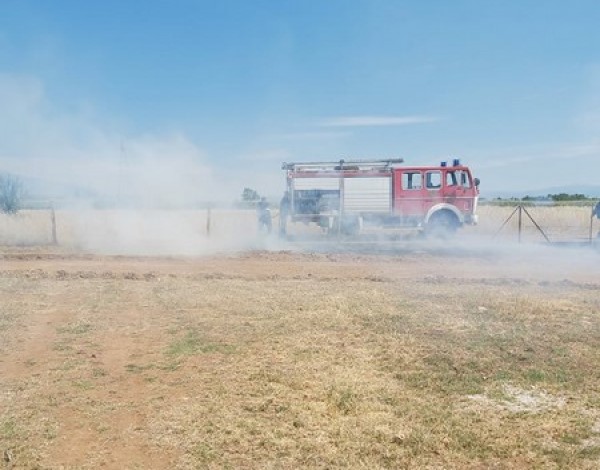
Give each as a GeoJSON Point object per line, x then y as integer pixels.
{"type": "Point", "coordinates": [520, 221]}
{"type": "Point", "coordinates": [208, 221]}
{"type": "Point", "coordinates": [53, 220]}
{"type": "Point", "coordinates": [592, 224]}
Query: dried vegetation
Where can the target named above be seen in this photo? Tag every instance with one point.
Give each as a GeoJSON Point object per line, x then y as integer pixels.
{"type": "Point", "coordinates": [281, 360]}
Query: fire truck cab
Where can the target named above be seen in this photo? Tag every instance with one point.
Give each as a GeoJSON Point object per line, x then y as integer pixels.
{"type": "Point", "coordinates": [349, 196]}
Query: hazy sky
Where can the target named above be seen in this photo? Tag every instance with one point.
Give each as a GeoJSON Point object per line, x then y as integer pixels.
{"type": "Point", "coordinates": [219, 93]}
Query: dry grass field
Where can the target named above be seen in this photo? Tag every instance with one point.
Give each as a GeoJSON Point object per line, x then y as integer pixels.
{"type": "Point", "coordinates": [423, 356]}
{"type": "Point", "coordinates": [560, 223]}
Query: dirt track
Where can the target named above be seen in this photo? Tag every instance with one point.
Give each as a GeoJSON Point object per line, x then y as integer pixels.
{"type": "Point", "coordinates": [347, 261]}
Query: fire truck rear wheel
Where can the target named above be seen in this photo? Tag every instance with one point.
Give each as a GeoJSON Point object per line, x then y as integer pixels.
{"type": "Point", "coordinates": [442, 224]}
{"type": "Point", "coordinates": [351, 226]}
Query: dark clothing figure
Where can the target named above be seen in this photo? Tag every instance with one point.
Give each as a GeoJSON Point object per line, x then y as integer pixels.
{"type": "Point", "coordinates": [284, 205]}
{"type": "Point", "coordinates": [596, 212]}
{"type": "Point", "coordinates": [264, 215]}
{"type": "Point", "coordinates": [284, 210]}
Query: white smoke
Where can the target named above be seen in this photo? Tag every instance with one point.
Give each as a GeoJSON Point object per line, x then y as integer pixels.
{"type": "Point", "coordinates": [74, 150]}
{"type": "Point", "coordinates": [140, 177]}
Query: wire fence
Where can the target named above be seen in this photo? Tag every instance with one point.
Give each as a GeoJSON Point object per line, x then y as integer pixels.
{"type": "Point", "coordinates": [45, 225]}
{"type": "Point", "coordinates": [96, 227]}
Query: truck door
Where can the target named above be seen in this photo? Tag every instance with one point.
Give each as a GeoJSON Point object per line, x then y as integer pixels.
{"type": "Point", "coordinates": [457, 189]}
{"type": "Point", "coordinates": [433, 190]}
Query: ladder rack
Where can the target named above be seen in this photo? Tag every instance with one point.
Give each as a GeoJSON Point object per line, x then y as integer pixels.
{"type": "Point", "coordinates": [342, 165]}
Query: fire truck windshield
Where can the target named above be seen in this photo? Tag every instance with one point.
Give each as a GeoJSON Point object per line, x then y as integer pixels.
{"type": "Point", "coordinates": [458, 178]}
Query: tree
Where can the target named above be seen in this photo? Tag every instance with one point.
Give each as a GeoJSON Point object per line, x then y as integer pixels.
{"type": "Point", "coordinates": [11, 193]}
{"type": "Point", "coordinates": [250, 195]}
{"type": "Point", "coordinates": [567, 197]}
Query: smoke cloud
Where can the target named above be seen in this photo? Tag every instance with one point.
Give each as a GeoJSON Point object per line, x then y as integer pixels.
{"type": "Point", "coordinates": [146, 184]}
{"type": "Point", "coordinates": [78, 153]}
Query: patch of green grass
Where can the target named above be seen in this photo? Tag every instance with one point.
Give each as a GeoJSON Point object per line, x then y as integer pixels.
{"type": "Point", "coordinates": [579, 429]}
{"type": "Point", "coordinates": [135, 369]}
{"type": "Point", "coordinates": [62, 346]}
{"type": "Point", "coordinates": [203, 453]}
{"type": "Point", "coordinates": [502, 376]}
{"type": "Point", "coordinates": [344, 399]}
{"type": "Point", "coordinates": [192, 344]}
{"type": "Point", "coordinates": [590, 452]}
{"type": "Point", "coordinates": [535, 376]}
{"type": "Point", "coordinates": [498, 393]}
{"type": "Point", "coordinates": [444, 377]}
{"type": "Point", "coordinates": [69, 364]}
{"type": "Point", "coordinates": [564, 457]}
{"type": "Point", "coordinates": [53, 400]}
{"type": "Point", "coordinates": [468, 441]}
{"type": "Point", "coordinates": [8, 429]}
{"type": "Point", "coordinates": [555, 375]}
{"type": "Point", "coordinates": [83, 384]}
{"type": "Point", "coordinates": [102, 428]}
{"type": "Point", "coordinates": [7, 320]}
{"type": "Point", "coordinates": [50, 432]}
{"type": "Point", "coordinates": [170, 366]}
{"type": "Point", "coordinates": [75, 328]}
{"type": "Point", "coordinates": [98, 372]}
{"type": "Point", "coordinates": [569, 438]}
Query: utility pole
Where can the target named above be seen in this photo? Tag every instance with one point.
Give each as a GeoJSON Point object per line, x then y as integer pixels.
{"type": "Point", "coordinates": [120, 177]}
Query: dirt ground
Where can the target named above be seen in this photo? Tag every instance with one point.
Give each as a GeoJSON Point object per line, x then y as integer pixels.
{"type": "Point", "coordinates": [416, 355]}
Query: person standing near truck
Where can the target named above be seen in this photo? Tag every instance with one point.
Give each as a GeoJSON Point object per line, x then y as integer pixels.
{"type": "Point", "coordinates": [264, 215]}
{"type": "Point", "coordinates": [595, 212]}
{"type": "Point", "coordinates": [284, 210]}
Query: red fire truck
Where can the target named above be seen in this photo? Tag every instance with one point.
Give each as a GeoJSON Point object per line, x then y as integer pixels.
{"type": "Point", "coordinates": [350, 196]}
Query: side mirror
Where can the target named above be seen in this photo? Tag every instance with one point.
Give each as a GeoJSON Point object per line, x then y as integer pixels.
{"type": "Point", "coordinates": [476, 181]}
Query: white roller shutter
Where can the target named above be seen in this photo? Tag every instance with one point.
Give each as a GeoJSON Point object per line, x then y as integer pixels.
{"type": "Point", "coordinates": [367, 194]}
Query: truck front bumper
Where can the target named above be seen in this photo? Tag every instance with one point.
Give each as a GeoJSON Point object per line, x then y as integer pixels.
{"type": "Point", "coordinates": [471, 219]}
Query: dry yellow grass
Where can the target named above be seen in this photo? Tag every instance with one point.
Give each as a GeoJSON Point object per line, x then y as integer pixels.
{"type": "Point", "coordinates": [560, 223]}
{"type": "Point", "coordinates": [296, 361]}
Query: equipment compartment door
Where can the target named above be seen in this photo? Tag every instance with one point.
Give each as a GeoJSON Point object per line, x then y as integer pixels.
{"type": "Point", "coordinates": [368, 194]}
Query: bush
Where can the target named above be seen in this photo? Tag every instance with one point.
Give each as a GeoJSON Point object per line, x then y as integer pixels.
{"type": "Point", "coordinates": [563, 197]}
{"type": "Point", "coordinates": [250, 195]}
{"type": "Point", "coordinates": [11, 193]}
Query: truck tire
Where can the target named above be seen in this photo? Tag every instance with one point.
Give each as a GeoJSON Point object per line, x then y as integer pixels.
{"type": "Point", "coordinates": [442, 224]}
{"type": "Point", "coordinates": [351, 226]}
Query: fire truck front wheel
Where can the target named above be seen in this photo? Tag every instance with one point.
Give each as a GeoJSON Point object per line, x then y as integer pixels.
{"type": "Point", "coordinates": [442, 224]}
{"type": "Point", "coordinates": [351, 226]}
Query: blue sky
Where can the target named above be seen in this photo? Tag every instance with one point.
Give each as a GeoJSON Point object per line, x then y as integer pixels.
{"type": "Point", "coordinates": [223, 92]}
